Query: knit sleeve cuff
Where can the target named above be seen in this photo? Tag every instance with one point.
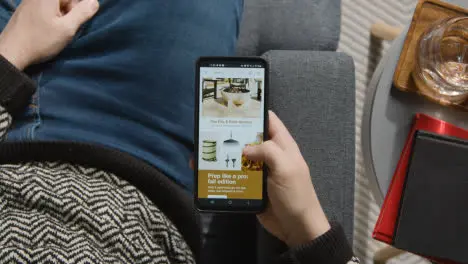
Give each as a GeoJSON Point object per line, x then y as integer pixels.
{"type": "Point", "coordinates": [16, 88]}
{"type": "Point", "coordinates": [331, 248]}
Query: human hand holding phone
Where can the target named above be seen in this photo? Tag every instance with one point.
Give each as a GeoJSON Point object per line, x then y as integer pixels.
{"type": "Point", "coordinates": [294, 214]}
{"type": "Point", "coordinates": [231, 98]}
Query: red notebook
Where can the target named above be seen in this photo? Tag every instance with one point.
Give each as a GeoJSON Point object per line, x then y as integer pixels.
{"type": "Point", "coordinates": [385, 227]}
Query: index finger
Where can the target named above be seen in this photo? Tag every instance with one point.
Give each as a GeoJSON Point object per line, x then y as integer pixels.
{"type": "Point", "coordinates": [279, 133]}
{"type": "Point", "coordinates": [81, 12]}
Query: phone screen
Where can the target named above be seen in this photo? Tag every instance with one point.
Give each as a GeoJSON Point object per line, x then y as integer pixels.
{"type": "Point", "coordinates": [231, 114]}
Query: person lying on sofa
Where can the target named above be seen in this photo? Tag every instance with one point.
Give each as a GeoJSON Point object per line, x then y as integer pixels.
{"type": "Point", "coordinates": [68, 198]}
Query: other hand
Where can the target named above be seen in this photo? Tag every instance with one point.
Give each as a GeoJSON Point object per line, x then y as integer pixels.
{"type": "Point", "coordinates": [294, 214]}
{"type": "Point", "coordinates": [40, 29]}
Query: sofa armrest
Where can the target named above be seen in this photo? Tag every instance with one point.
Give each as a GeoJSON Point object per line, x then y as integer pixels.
{"type": "Point", "coordinates": [289, 25]}
{"type": "Point", "coordinates": [314, 94]}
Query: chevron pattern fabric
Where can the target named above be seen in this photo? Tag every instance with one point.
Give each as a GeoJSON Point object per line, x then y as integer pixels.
{"type": "Point", "coordinates": [5, 122]}
{"type": "Point", "coordinates": [62, 213]}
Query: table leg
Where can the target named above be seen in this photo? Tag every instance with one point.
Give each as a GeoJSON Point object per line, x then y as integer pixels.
{"type": "Point", "coordinates": [384, 31]}
{"type": "Point", "coordinates": [203, 90]}
{"type": "Point", "coordinates": [259, 91]}
{"type": "Point", "coordinates": [215, 89]}
{"type": "Point", "coordinates": [385, 254]}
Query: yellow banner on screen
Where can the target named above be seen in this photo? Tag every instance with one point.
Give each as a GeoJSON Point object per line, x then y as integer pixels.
{"type": "Point", "coordinates": [230, 184]}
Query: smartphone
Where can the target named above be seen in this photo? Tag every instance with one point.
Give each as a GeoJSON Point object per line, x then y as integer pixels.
{"type": "Point", "coordinates": [230, 113]}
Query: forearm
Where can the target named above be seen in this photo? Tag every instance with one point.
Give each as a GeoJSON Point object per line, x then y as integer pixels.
{"type": "Point", "coordinates": [330, 248]}
{"type": "Point", "coordinates": [16, 89]}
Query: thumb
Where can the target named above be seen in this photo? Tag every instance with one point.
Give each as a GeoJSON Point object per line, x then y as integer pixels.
{"type": "Point", "coordinates": [267, 152]}
{"type": "Point", "coordinates": [81, 12]}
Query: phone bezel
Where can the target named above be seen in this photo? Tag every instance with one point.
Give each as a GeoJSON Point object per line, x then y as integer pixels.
{"type": "Point", "coordinates": [224, 208]}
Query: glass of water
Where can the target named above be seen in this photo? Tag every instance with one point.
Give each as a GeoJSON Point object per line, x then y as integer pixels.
{"type": "Point", "coordinates": [441, 71]}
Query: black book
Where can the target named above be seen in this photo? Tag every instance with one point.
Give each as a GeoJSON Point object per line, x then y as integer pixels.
{"type": "Point", "coordinates": [433, 218]}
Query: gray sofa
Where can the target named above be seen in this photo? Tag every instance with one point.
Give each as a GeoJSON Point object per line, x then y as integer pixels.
{"type": "Point", "coordinates": [312, 89]}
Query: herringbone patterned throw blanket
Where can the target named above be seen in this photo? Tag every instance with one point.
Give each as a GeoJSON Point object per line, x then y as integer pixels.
{"type": "Point", "coordinates": [60, 213]}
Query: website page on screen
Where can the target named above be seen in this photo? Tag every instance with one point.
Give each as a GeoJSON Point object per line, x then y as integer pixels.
{"type": "Point", "coordinates": [231, 116]}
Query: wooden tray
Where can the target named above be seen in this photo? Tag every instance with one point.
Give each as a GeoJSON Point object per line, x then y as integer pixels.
{"type": "Point", "coordinates": [426, 14]}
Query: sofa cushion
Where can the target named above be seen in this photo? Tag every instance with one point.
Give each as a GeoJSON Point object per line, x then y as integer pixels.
{"type": "Point", "coordinates": [289, 25]}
